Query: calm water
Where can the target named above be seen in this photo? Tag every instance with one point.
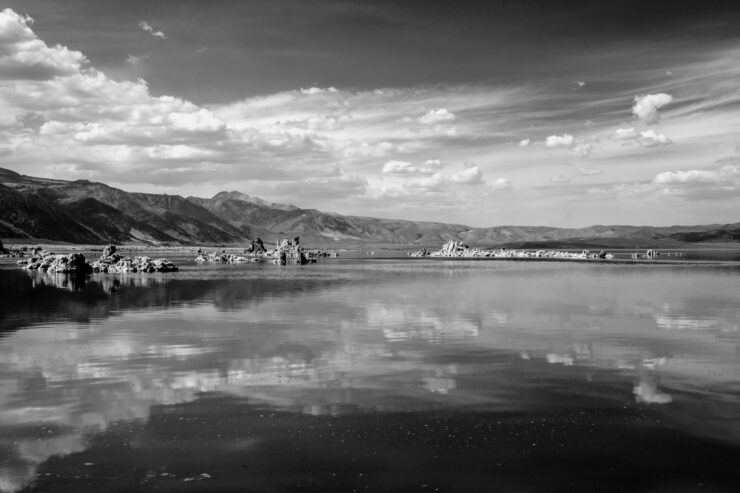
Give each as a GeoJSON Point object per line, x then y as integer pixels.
{"type": "Point", "coordinates": [373, 375]}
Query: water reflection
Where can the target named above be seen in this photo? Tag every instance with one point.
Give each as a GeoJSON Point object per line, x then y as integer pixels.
{"type": "Point", "coordinates": [501, 339]}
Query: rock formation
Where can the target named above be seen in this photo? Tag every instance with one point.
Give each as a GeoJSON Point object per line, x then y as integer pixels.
{"type": "Point", "coordinates": [256, 247]}
{"type": "Point", "coordinates": [60, 264]}
{"type": "Point", "coordinates": [456, 249]}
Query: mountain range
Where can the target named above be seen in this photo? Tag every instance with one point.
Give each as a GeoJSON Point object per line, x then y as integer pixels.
{"type": "Point", "coordinates": [88, 212]}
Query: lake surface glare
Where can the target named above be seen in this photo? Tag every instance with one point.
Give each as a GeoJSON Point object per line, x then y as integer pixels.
{"type": "Point", "coordinates": [373, 375]}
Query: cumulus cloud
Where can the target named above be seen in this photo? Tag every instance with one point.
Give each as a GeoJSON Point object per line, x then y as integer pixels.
{"type": "Point", "coordinates": [471, 175]}
{"type": "Point", "coordinates": [524, 142]}
{"type": "Point", "coordinates": [502, 184]}
{"type": "Point", "coordinates": [589, 171]}
{"type": "Point", "coordinates": [145, 26]}
{"type": "Point", "coordinates": [727, 176]}
{"type": "Point", "coordinates": [25, 57]}
{"type": "Point", "coordinates": [646, 107]}
{"type": "Point", "coordinates": [317, 90]}
{"type": "Point", "coordinates": [405, 168]}
{"type": "Point", "coordinates": [132, 60]}
{"type": "Point", "coordinates": [647, 138]}
{"type": "Point", "coordinates": [437, 116]}
{"type": "Point", "coordinates": [650, 138]}
{"type": "Point", "coordinates": [581, 150]}
{"type": "Point", "coordinates": [718, 183]}
{"type": "Point", "coordinates": [567, 141]}
{"type": "Point", "coordinates": [624, 134]}
{"type": "Point", "coordinates": [560, 141]}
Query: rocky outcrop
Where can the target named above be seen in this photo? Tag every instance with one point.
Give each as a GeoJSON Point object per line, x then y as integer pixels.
{"type": "Point", "coordinates": [57, 264]}
{"type": "Point", "coordinates": [256, 247]}
{"type": "Point", "coordinates": [224, 258]}
{"type": "Point", "coordinates": [112, 262]}
{"type": "Point", "coordinates": [456, 249]}
{"type": "Point", "coordinates": [291, 251]}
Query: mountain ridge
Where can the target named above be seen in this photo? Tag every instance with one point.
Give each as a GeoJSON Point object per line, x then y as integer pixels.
{"type": "Point", "coordinates": [84, 211]}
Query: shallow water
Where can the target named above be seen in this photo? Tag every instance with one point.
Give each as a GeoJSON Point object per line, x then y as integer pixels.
{"type": "Point", "coordinates": [373, 375]}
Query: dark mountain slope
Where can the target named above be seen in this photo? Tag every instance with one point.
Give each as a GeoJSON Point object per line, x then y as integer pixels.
{"type": "Point", "coordinates": [88, 212]}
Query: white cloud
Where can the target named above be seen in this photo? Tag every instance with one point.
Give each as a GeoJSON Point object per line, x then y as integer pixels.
{"type": "Point", "coordinates": [647, 138]}
{"type": "Point", "coordinates": [560, 179]}
{"type": "Point", "coordinates": [560, 141]}
{"type": "Point", "coordinates": [646, 107]}
{"type": "Point", "coordinates": [25, 57]}
{"type": "Point", "coordinates": [471, 175]}
{"type": "Point", "coordinates": [524, 142]}
{"type": "Point", "coordinates": [404, 167]}
{"type": "Point", "coordinates": [317, 90]}
{"type": "Point", "coordinates": [132, 60]}
{"type": "Point", "coordinates": [589, 171]}
{"type": "Point", "coordinates": [728, 176]}
{"type": "Point", "coordinates": [502, 184]}
{"type": "Point", "coordinates": [650, 138]}
{"type": "Point", "coordinates": [624, 134]}
{"type": "Point", "coordinates": [567, 141]}
{"type": "Point", "coordinates": [145, 26]}
{"type": "Point", "coordinates": [437, 116]}
{"type": "Point", "coordinates": [581, 150]}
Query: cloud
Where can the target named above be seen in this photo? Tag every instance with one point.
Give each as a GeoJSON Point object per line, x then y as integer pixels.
{"type": "Point", "coordinates": [718, 183]}
{"type": "Point", "coordinates": [727, 176]}
{"type": "Point", "coordinates": [624, 134]}
{"type": "Point", "coordinates": [25, 57]}
{"type": "Point", "coordinates": [581, 150]}
{"type": "Point", "coordinates": [132, 60]}
{"type": "Point", "coordinates": [560, 141]}
{"type": "Point", "coordinates": [437, 116]}
{"type": "Point", "coordinates": [647, 138]}
{"type": "Point", "coordinates": [502, 184]}
{"type": "Point", "coordinates": [567, 141]}
{"type": "Point", "coordinates": [317, 90]}
{"type": "Point", "coordinates": [402, 167]}
{"type": "Point", "coordinates": [145, 26]}
{"type": "Point", "coordinates": [524, 142]}
{"type": "Point", "coordinates": [589, 171]}
{"type": "Point", "coordinates": [646, 107]}
{"type": "Point", "coordinates": [471, 175]}
{"type": "Point", "coordinates": [560, 179]}
{"type": "Point", "coordinates": [650, 138]}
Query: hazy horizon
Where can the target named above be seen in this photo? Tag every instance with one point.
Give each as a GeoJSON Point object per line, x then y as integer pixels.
{"type": "Point", "coordinates": [519, 113]}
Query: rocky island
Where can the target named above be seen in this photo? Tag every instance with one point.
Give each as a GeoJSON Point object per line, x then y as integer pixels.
{"type": "Point", "coordinates": [454, 249]}
{"type": "Point", "coordinates": [109, 262]}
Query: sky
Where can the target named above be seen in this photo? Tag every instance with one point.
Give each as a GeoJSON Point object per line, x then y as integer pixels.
{"type": "Point", "coordinates": [483, 113]}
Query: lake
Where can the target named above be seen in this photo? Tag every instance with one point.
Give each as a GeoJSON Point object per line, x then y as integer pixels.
{"type": "Point", "coordinates": [373, 375]}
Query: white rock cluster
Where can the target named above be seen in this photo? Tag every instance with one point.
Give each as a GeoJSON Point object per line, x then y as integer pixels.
{"type": "Point", "coordinates": [73, 263]}
{"type": "Point", "coordinates": [457, 249]}
{"type": "Point", "coordinates": [112, 262]}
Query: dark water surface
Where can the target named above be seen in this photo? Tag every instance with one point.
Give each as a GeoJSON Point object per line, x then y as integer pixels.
{"type": "Point", "coordinates": [373, 375]}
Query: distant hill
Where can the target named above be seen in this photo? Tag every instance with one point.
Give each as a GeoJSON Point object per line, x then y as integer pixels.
{"type": "Point", "coordinates": [94, 213]}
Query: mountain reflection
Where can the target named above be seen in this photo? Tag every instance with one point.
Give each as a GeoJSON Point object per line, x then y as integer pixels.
{"type": "Point", "coordinates": [74, 362]}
